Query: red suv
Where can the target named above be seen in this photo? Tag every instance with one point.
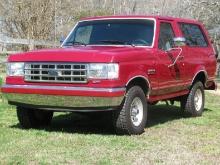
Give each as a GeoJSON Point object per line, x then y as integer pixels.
{"type": "Point", "coordinates": [119, 64]}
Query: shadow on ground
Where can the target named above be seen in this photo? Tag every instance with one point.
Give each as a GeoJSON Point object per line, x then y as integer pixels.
{"type": "Point", "coordinates": [101, 124]}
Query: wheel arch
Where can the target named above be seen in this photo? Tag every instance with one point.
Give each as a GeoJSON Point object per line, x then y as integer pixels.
{"type": "Point", "coordinates": [141, 81]}
{"type": "Point", "coordinates": [200, 75]}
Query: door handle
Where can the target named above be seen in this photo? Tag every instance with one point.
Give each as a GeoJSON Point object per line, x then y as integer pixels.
{"type": "Point", "coordinates": [177, 57]}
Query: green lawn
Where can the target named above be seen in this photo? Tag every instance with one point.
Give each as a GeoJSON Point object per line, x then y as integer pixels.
{"type": "Point", "coordinates": [169, 138]}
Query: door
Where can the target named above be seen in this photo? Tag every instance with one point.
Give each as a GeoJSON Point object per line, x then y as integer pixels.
{"type": "Point", "coordinates": [171, 69]}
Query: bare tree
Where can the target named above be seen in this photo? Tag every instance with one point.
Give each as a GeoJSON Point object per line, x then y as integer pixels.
{"type": "Point", "coordinates": [28, 19]}
{"type": "Point", "coordinates": [40, 19]}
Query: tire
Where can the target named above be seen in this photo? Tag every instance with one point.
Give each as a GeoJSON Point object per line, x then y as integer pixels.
{"type": "Point", "coordinates": [193, 103]}
{"type": "Point", "coordinates": [32, 118]}
{"type": "Point", "coordinates": [132, 117]}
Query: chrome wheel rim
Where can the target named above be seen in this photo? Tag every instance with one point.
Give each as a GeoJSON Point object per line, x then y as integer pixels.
{"type": "Point", "coordinates": [136, 111]}
{"type": "Point", "coordinates": [198, 100]}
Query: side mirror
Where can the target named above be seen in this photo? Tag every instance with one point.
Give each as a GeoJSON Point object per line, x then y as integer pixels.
{"type": "Point", "coordinates": [179, 41]}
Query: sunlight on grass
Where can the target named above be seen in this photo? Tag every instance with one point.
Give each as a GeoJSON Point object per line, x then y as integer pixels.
{"type": "Point", "coordinates": [169, 138]}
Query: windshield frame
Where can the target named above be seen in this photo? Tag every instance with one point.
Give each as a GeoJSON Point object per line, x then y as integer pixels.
{"type": "Point", "coordinates": [118, 45]}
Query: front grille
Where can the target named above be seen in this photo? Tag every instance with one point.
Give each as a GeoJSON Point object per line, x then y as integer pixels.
{"type": "Point", "coordinates": [57, 73]}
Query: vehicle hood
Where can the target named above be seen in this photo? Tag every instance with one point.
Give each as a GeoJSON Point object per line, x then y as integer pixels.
{"type": "Point", "coordinates": [83, 54]}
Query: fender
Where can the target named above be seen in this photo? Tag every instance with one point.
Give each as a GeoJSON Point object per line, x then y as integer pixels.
{"type": "Point", "coordinates": [198, 72]}
{"type": "Point", "coordinates": [209, 84]}
{"type": "Point", "coordinates": [143, 77]}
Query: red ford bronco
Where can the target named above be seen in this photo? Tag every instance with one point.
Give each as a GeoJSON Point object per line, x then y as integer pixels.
{"type": "Point", "coordinates": [119, 64]}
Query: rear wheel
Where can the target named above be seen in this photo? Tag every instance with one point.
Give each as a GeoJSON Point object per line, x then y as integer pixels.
{"type": "Point", "coordinates": [33, 118]}
{"type": "Point", "coordinates": [132, 117]}
{"type": "Point", "coordinates": [193, 103]}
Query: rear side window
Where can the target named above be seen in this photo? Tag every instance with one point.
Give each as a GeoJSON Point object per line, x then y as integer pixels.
{"type": "Point", "coordinates": [194, 35]}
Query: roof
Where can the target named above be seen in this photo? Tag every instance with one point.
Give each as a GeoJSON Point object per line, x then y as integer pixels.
{"type": "Point", "coordinates": [157, 17]}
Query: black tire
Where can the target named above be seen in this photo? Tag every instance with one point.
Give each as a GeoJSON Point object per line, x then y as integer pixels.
{"type": "Point", "coordinates": [122, 119]}
{"type": "Point", "coordinates": [33, 118]}
{"type": "Point", "coordinates": [188, 103]}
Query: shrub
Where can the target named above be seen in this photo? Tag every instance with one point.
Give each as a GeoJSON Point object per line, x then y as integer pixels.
{"type": "Point", "coordinates": [3, 54]}
{"type": "Point", "coordinates": [1, 81]}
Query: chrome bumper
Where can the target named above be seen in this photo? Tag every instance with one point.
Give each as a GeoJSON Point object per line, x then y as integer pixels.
{"type": "Point", "coordinates": [63, 101]}
{"type": "Point", "coordinates": [63, 97]}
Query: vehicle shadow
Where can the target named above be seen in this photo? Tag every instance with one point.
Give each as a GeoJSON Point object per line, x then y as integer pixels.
{"type": "Point", "coordinates": [159, 114]}
{"type": "Point", "coordinates": [77, 123]}
{"type": "Point", "coordinates": [82, 124]}
{"type": "Point", "coordinates": [91, 124]}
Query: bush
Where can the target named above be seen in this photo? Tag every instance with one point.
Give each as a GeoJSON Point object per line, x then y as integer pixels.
{"type": "Point", "coordinates": [1, 81]}
{"type": "Point", "coordinates": [4, 54]}
{"type": "Point", "coordinates": [90, 13]}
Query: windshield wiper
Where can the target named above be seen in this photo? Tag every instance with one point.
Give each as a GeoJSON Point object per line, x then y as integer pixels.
{"type": "Point", "coordinates": [115, 42]}
{"type": "Point", "coordinates": [76, 43]}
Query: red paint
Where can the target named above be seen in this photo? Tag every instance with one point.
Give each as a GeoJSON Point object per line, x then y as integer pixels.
{"type": "Point", "coordinates": [133, 61]}
{"type": "Point", "coordinates": [62, 92]}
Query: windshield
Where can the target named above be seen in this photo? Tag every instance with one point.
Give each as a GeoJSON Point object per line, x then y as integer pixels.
{"type": "Point", "coordinates": [112, 32]}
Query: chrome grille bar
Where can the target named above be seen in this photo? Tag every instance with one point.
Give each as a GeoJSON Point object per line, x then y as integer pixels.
{"type": "Point", "coordinates": [55, 72]}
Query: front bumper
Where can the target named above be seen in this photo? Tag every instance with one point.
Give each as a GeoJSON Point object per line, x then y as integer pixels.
{"type": "Point", "coordinates": [63, 97]}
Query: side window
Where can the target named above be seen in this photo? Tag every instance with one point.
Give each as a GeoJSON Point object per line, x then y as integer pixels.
{"type": "Point", "coordinates": [166, 36]}
{"type": "Point", "coordinates": [193, 34]}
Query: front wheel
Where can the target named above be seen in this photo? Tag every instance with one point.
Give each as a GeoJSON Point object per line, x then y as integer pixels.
{"type": "Point", "coordinates": [33, 118]}
{"type": "Point", "coordinates": [193, 104]}
{"type": "Point", "coordinates": [132, 117]}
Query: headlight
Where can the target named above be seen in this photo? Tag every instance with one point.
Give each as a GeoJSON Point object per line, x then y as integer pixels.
{"type": "Point", "coordinates": [15, 68]}
{"type": "Point", "coordinates": [103, 71]}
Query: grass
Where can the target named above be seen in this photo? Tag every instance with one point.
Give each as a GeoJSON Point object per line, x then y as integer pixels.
{"type": "Point", "coordinates": [169, 138]}
{"type": "Point", "coordinates": [2, 68]}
